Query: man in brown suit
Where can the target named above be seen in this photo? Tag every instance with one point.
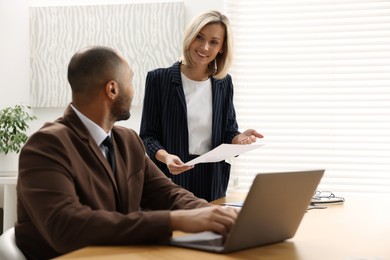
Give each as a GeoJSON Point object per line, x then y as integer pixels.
{"type": "Point", "coordinates": [70, 197]}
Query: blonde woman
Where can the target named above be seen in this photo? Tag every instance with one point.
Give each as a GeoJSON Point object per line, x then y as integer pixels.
{"type": "Point", "coordinates": [188, 108]}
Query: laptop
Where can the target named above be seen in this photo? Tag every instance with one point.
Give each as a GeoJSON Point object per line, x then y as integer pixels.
{"type": "Point", "coordinates": [271, 213]}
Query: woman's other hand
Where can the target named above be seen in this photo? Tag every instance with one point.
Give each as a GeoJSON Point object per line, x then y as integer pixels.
{"type": "Point", "coordinates": [247, 137]}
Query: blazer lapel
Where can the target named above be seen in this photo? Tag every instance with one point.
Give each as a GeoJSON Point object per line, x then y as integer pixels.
{"type": "Point", "coordinates": [177, 82]}
{"type": "Point", "coordinates": [217, 89]}
{"type": "Point", "coordinates": [76, 124]}
{"type": "Point", "coordinates": [121, 179]}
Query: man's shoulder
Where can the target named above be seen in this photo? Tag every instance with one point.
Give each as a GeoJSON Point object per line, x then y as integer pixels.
{"type": "Point", "coordinates": [55, 128]}
{"type": "Point", "coordinates": [127, 138]}
{"type": "Point", "coordinates": [51, 134]}
{"type": "Point", "coordinates": [125, 134]}
{"type": "Point", "coordinates": [124, 131]}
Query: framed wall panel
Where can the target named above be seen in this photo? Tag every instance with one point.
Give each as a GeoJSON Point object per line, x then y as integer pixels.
{"type": "Point", "coordinates": [148, 35]}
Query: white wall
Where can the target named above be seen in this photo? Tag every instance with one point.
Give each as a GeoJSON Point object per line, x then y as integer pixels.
{"type": "Point", "coordinates": [14, 53]}
{"type": "Point", "coordinates": [15, 56]}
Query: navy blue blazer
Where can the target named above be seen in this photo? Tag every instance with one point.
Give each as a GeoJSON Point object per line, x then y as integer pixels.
{"type": "Point", "coordinates": [164, 126]}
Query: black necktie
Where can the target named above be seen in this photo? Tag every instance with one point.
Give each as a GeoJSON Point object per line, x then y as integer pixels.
{"type": "Point", "coordinates": [110, 155]}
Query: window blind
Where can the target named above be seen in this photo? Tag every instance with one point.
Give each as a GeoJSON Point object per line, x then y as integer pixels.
{"type": "Point", "coordinates": [314, 78]}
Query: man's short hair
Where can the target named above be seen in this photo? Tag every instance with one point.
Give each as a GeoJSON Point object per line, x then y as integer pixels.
{"type": "Point", "coordinates": [92, 67]}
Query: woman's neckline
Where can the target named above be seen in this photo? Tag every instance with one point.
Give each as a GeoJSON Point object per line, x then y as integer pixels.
{"type": "Point", "coordinates": [185, 71]}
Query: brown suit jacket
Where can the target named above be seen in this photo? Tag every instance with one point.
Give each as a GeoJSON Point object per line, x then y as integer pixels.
{"type": "Point", "coordinates": [68, 197]}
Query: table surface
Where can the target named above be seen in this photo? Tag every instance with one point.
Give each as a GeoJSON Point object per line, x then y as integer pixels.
{"type": "Point", "coordinates": [357, 230]}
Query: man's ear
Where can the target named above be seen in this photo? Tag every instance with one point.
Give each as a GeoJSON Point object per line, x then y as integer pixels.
{"type": "Point", "coordinates": [112, 89]}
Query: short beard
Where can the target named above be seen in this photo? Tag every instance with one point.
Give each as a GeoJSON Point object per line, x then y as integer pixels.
{"type": "Point", "coordinates": [118, 112]}
{"type": "Point", "coordinates": [123, 116]}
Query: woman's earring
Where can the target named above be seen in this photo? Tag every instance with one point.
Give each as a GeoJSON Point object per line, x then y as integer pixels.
{"type": "Point", "coordinates": [215, 66]}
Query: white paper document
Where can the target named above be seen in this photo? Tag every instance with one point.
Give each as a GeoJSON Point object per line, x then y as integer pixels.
{"type": "Point", "coordinates": [223, 152]}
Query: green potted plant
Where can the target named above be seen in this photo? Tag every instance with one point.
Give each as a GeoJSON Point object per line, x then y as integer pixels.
{"type": "Point", "coordinates": [13, 126]}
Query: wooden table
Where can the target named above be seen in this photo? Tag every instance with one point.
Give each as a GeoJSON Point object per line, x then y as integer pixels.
{"type": "Point", "coordinates": [357, 230]}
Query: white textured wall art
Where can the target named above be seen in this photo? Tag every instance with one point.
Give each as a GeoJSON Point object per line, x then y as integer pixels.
{"type": "Point", "coordinates": [148, 35]}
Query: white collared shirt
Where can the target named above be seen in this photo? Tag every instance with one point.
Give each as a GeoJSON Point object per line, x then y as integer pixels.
{"type": "Point", "coordinates": [97, 133]}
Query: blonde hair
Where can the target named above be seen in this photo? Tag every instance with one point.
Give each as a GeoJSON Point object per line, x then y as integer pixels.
{"type": "Point", "coordinates": [224, 59]}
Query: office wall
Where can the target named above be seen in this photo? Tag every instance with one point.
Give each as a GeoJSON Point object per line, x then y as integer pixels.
{"type": "Point", "coordinates": [15, 53]}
